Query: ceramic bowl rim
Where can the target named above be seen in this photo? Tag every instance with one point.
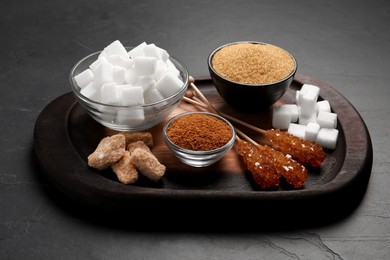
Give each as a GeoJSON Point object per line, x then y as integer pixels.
{"type": "Point", "coordinates": [212, 53]}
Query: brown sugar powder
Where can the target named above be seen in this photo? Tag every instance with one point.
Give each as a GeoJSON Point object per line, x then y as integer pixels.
{"type": "Point", "coordinates": [253, 63]}
{"type": "Point", "coordinates": [199, 132]}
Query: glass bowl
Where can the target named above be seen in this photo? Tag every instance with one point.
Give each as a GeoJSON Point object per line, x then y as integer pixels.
{"type": "Point", "coordinates": [128, 118]}
{"type": "Point", "coordinates": [198, 158]}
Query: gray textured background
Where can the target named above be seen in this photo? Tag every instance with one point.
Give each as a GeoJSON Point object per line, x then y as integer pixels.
{"type": "Point", "coordinates": [343, 43]}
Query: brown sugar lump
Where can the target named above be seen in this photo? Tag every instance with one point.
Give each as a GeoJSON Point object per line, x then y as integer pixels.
{"type": "Point", "coordinates": [125, 169]}
{"type": "Point", "coordinates": [147, 164]}
{"type": "Point", "coordinates": [138, 144]}
{"type": "Point", "coordinates": [145, 137]}
{"type": "Point", "coordinates": [253, 63]}
{"type": "Point", "coordinates": [109, 150]}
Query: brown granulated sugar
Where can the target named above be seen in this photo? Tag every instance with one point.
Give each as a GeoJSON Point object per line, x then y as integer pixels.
{"type": "Point", "coordinates": [253, 63]}
{"type": "Point", "coordinates": [199, 132]}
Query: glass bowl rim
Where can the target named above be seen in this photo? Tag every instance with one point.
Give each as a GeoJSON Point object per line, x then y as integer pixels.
{"type": "Point", "coordinates": [194, 152]}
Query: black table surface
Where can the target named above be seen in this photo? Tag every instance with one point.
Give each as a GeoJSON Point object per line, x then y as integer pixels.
{"type": "Point", "coordinates": [343, 43]}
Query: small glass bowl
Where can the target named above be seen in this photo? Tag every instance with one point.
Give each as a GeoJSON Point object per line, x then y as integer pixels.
{"type": "Point", "coordinates": [127, 118]}
{"type": "Point", "coordinates": [198, 158]}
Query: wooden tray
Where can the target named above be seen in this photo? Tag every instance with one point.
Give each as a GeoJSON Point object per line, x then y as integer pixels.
{"type": "Point", "coordinates": [65, 135]}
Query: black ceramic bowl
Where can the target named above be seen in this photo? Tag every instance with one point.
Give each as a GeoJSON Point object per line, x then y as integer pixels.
{"type": "Point", "coordinates": [250, 97]}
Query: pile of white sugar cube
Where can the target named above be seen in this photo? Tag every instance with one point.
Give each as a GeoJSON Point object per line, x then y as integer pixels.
{"type": "Point", "coordinates": [140, 76]}
{"type": "Point", "coordinates": [308, 118]}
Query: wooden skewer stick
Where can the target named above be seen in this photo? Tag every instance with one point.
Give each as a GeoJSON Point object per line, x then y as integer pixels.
{"type": "Point", "coordinates": [200, 100]}
{"type": "Point", "coordinates": [203, 99]}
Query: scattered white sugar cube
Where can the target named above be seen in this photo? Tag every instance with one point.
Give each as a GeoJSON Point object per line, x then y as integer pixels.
{"type": "Point", "coordinates": [315, 123]}
{"type": "Point", "coordinates": [308, 103]}
{"type": "Point", "coordinates": [327, 137]}
{"type": "Point", "coordinates": [145, 65]}
{"type": "Point", "coordinates": [109, 93]}
{"type": "Point", "coordinates": [297, 130]}
{"type": "Point", "coordinates": [281, 117]}
{"type": "Point", "coordinates": [103, 73]}
{"type": "Point", "coordinates": [132, 117]}
{"type": "Point", "coordinates": [97, 62]}
{"type": "Point", "coordinates": [297, 93]}
{"type": "Point", "coordinates": [130, 95]}
{"type": "Point", "coordinates": [121, 61]}
{"type": "Point", "coordinates": [146, 82]}
{"type": "Point", "coordinates": [327, 119]}
{"type": "Point", "coordinates": [305, 119]}
{"type": "Point", "coordinates": [311, 132]}
{"type": "Point", "coordinates": [137, 51]}
{"type": "Point", "coordinates": [293, 110]}
{"type": "Point", "coordinates": [115, 48]}
{"type": "Point", "coordinates": [323, 105]}
{"type": "Point", "coordinates": [168, 84]}
{"type": "Point", "coordinates": [91, 91]}
{"type": "Point", "coordinates": [84, 78]}
{"type": "Point", "coordinates": [152, 95]}
{"type": "Point", "coordinates": [309, 88]}
{"type": "Point", "coordinates": [119, 74]}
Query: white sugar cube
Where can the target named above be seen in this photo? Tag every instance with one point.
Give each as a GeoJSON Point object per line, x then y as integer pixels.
{"type": "Point", "coordinates": [307, 99]}
{"type": "Point", "coordinates": [91, 91]}
{"type": "Point", "coordinates": [115, 48]}
{"type": "Point", "coordinates": [102, 54]}
{"type": "Point", "coordinates": [132, 117]}
{"type": "Point", "coordinates": [308, 103]}
{"type": "Point", "coordinates": [146, 82]}
{"type": "Point", "coordinates": [168, 84]}
{"type": "Point", "coordinates": [311, 132]}
{"type": "Point", "coordinates": [131, 76]}
{"type": "Point", "coordinates": [297, 93]}
{"type": "Point", "coordinates": [119, 74]}
{"type": "Point", "coordinates": [130, 95]}
{"type": "Point", "coordinates": [121, 61]}
{"type": "Point", "coordinates": [151, 50]}
{"type": "Point", "coordinates": [97, 62]}
{"type": "Point", "coordinates": [297, 130]}
{"type": "Point", "coordinates": [281, 117]}
{"type": "Point", "coordinates": [327, 119]}
{"type": "Point", "coordinates": [309, 89]}
{"type": "Point", "coordinates": [327, 137]}
{"type": "Point", "coordinates": [305, 119]}
{"type": "Point", "coordinates": [145, 65]}
{"type": "Point", "coordinates": [294, 111]}
{"type": "Point", "coordinates": [323, 105]}
{"type": "Point", "coordinates": [109, 93]}
{"type": "Point", "coordinates": [152, 95]}
{"type": "Point", "coordinates": [103, 73]}
{"type": "Point", "coordinates": [161, 68]}
{"type": "Point", "coordinates": [172, 68]}
{"type": "Point", "coordinates": [137, 51]}
{"type": "Point", "coordinates": [84, 78]}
